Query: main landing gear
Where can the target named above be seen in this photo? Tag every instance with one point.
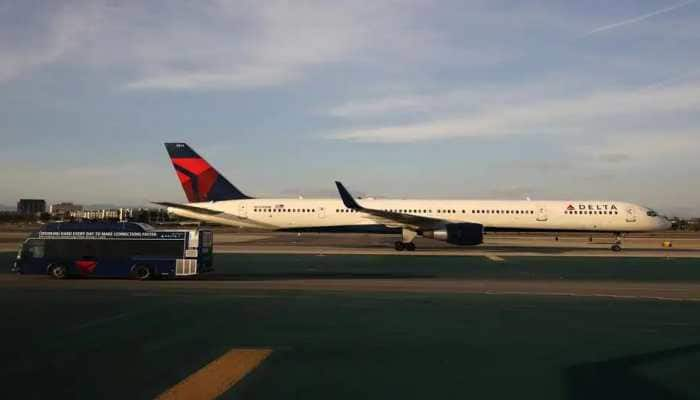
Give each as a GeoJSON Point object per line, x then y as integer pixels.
{"type": "Point", "coordinates": [401, 246]}
{"type": "Point", "coordinates": [406, 242]}
{"type": "Point", "coordinates": [617, 246]}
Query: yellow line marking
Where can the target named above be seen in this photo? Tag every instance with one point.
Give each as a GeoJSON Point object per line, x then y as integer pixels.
{"type": "Point", "coordinates": [218, 376]}
{"type": "Point", "coordinates": [495, 258]}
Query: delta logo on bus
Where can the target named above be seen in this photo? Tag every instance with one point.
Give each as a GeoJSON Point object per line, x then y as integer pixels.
{"type": "Point", "coordinates": [592, 207]}
{"type": "Point", "coordinates": [86, 266]}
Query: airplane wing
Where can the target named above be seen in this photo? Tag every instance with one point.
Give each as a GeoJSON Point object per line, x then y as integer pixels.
{"type": "Point", "coordinates": [415, 222]}
{"type": "Point", "coordinates": [217, 213]}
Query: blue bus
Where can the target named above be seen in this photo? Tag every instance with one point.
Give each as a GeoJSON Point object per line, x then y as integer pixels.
{"type": "Point", "coordinates": [123, 249]}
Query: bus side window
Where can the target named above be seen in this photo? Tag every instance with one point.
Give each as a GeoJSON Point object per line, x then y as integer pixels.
{"type": "Point", "coordinates": [36, 248]}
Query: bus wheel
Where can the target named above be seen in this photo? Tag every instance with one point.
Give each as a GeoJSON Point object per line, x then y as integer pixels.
{"type": "Point", "coordinates": [140, 272]}
{"type": "Point", "coordinates": [58, 272]}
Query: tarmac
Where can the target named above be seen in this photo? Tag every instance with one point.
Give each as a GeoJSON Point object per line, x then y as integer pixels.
{"type": "Point", "coordinates": [498, 245]}
{"type": "Point", "coordinates": [345, 316]}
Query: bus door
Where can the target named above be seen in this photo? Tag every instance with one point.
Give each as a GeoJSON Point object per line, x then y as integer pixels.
{"type": "Point", "coordinates": [205, 255]}
{"type": "Point", "coordinates": [188, 265]}
{"type": "Point", "coordinates": [206, 242]}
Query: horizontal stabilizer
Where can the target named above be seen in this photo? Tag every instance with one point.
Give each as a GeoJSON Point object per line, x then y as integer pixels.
{"type": "Point", "coordinates": [220, 215]}
{"type": "Point", "coordinates": [186, 207]}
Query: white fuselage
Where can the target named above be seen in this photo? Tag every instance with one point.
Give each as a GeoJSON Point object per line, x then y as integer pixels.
{"type": "Point", "coordinates": [604, 216]}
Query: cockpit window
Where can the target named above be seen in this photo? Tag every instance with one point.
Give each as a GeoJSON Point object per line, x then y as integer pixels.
{"type": "Point", "coordinates": [652, 213]}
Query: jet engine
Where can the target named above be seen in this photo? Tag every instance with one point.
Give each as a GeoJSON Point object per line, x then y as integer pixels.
{"type": "Point", "coordinates": [464, 234]}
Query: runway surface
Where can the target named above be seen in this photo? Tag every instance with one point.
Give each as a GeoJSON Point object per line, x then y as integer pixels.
{"type": "Point", "coordinates": [484, 323]}
{"type": "Point", "coordinates": [571, 245]}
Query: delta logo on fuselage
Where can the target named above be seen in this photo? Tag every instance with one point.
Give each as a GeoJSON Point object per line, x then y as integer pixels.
{"type": "Point", "coordinates": [592, 207]}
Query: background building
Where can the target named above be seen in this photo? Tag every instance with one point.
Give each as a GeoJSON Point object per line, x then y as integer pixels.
{"type": "Point", "coordinates": [31, 206]}
{"type": "Point", "coordinates": [64, 208]}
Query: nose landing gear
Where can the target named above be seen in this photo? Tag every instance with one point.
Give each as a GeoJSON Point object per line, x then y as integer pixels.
{"type": "Point", "coordinates": [617, 246]}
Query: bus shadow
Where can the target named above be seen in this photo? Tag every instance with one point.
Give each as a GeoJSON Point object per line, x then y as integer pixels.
{"type": "Point", "coordinates": [617, 378]}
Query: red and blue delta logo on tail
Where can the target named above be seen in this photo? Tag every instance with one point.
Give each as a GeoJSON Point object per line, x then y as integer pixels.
{"type": "Point", "coordinates": [200, 181]}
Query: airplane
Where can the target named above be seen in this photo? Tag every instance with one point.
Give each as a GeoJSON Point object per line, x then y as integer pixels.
{"type": "Point", "coordinates": [213, 199]}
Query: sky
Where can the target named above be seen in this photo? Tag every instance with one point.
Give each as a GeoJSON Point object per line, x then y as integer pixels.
{"type": "Point", "coordinates": [407, 99]}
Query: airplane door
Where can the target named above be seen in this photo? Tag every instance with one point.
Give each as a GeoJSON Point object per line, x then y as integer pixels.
{"type": "Point", "coordinates": [542, 214]}
{"type": "Point", "coordinates": [321, 212]}
{"type": "Point", "coordinates": [242, 211]}
{"type": "Point", "coordinates": [631, 216]}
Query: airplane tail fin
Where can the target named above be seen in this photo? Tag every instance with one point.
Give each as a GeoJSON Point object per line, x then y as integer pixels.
{"type": "Point", "coordinates": [200, 180]}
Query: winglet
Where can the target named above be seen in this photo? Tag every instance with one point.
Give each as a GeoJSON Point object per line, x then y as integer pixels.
{"type": "Point", "coordinates": [347, 197]}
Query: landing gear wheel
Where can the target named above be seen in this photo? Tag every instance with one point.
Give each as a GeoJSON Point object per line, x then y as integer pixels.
{"type": "Point", "coordinates": [616, 248]}
{"type": "Point", "coordinates": [410, 246]}
{"type": "Point", "coordinates": [58, 272]}
{"type": "Point", "coordinates": [399, 246]}
{"type": "Point", "coordinates": [140, 272]}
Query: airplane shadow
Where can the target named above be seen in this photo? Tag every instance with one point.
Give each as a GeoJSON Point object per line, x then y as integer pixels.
{"type": "Point", "coordinates": [617, 379]}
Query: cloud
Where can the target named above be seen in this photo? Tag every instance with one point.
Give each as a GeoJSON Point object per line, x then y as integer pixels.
{"type": "Point", "coordinates": [562, 116]}
{"type": "Point", "coordinates": [224, 45]}
{"type": "Point", "coordinates": [44, 37]}
{"type": "Point", "coordinates": [639, 18]}
{"type": "Point", "coordinates": [411, 103]}
{"type": "Point", "coordinates": [641, 146]}
{"type": "Point", "coordinates": [614, 158]}
{"type": "Point", "coordinates": [249, 77]}
{"type": "Point", "coordinates": [261, 44]}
